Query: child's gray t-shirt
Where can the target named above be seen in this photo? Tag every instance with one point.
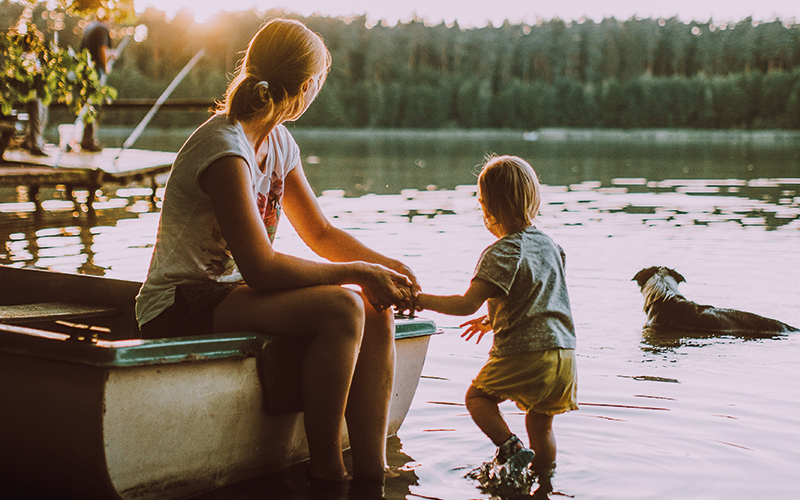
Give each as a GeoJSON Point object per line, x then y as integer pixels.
{"type": "Point", "coordinates": [533, 313]}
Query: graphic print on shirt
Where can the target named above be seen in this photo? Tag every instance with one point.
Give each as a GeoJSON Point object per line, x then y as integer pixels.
{"type": "Point", "coordinates": [219, 261]}
{"type": "Point", "coordinates": [270, 207]}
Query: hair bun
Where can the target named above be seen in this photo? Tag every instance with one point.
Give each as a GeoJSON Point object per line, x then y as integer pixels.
{"type": "Point", "coordinates": [262, 86]}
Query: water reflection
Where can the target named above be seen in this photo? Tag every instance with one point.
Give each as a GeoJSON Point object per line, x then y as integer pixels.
{"type": "Point", "coordinates": [292, 483]}
{"type": "Point", "coordinates": [431, 175]}
{"type": "Point", "coordinates": [384, 163]}
{"type": "Point", "coordinates": [727, 216]}
{"type": "Point", "coordinates": [500, 482]}
{"type": "Point", "coordinates": [666, 341]}
{"type": "Point", "coordinates": [61, 238]}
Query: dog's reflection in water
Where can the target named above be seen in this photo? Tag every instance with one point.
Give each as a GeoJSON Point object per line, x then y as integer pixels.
{"type": "Point", "coordinates": [674, 320]}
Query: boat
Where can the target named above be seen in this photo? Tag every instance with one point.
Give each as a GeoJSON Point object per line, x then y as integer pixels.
{"type": "Point", "coordinates": [89, 410]}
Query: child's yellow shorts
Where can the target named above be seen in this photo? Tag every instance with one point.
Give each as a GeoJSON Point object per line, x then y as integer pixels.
{"type": "Point", "coordinates": [539, 381]}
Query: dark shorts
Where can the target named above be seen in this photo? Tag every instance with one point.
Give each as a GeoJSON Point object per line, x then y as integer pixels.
{"type": "Point", "coordinates": [191, 314]}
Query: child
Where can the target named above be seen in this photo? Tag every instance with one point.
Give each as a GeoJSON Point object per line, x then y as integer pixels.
{"type": "Point", "coordinates": [532, 360]}
{"type": "Point", "coordinates": [229, 185]}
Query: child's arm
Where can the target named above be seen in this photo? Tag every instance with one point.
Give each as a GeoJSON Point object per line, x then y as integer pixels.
{"type": "Point", "coordinates": [459, 305]}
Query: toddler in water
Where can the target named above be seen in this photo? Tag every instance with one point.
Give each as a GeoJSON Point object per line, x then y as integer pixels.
{"type": "Point", "coordinates": [532, 360]}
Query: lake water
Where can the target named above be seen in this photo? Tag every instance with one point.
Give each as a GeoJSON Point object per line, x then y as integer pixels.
{"type": "Point", "coordinates": [660, 418]}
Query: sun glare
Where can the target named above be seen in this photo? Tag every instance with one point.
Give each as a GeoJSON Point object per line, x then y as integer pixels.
{"type": "Point", "coordinates": [202, 9]}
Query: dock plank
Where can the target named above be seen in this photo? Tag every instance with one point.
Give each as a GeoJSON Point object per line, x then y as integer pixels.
{"type": "Point", "coordinates": [82, 170]}
{"type": "Point", "coordinates": [130, 162]}
{"type": "Point", "coordinates": [20, 175]}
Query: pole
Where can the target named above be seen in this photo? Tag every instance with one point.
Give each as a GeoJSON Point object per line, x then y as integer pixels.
{"type": "Point", "coordinates": [103, 79]}
{"type": "Point", "coordinates": [149, 116]}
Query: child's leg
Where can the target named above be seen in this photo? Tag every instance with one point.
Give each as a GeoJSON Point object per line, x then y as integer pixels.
{"type": "Point", "coordinates": [484, 410]}
{"type": "Point", "coordinates": [542, 439]}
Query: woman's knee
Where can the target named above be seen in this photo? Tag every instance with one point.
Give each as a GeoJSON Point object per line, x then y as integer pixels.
{"type": "Point", "coordinates": [342, 309]}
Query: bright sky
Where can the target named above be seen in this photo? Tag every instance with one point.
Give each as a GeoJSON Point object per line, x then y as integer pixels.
{"type": "Point", "coordinates": [479, 12]}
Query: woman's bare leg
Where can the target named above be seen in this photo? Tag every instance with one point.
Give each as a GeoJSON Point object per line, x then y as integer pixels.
{"type": "Point", "coordinates": [371, 390]}
{"type": "Point", "coordinates": [333, 318]}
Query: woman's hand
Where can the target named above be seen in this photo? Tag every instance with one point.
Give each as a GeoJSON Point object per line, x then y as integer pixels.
{"type": "Point", "coordinates": [384, 287]}
{"type": "Point", "coordinates": [479, 325]}
{"type": "Point", "coordinates": [406, 271]}
{"type": "Point", "coordinates": [408, 305]}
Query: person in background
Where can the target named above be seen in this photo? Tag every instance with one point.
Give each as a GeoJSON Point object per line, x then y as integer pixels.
{"type": "Point", "coordinates": [532, 360]}
{"type": "Point", "coordinates": [37, 120]}
{"type": "Point", "coordinates": [97, 40]}
{"type": "Point", "coordinates": [214, 268]}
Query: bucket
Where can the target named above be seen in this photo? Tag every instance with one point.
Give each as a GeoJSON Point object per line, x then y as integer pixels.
{"type": "Point", "coordinates": [69, 135]}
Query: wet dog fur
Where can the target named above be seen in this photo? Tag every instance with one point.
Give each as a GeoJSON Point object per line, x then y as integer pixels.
{"type": "Point", "coordinates": [668, 310]}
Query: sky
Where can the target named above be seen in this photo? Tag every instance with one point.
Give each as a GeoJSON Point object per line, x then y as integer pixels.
{"type": "Point", "coordinates": [471, 13]}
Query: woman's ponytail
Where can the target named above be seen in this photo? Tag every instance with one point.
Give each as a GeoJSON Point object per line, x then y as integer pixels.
{"type": "Point", "coordinates": [268, 84]}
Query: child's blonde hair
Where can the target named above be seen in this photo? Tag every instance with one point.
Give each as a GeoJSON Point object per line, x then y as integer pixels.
{"type": "Point", "coordinates": [509, 191]}
{"type": "Point", "coordinates": [268, 85]}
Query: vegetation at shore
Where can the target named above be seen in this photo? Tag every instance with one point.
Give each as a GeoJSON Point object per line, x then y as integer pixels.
{"type": "Point", "coordinates": [634, 73]}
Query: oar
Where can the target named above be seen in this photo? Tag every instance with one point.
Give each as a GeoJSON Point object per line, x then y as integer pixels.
{"type": "Point", "coordinates": [74, 130]}
{"type": "Point", "coordinates": [164, 95]}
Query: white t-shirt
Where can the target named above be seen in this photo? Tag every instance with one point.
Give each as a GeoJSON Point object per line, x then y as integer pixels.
{"type": "Point", "coordinates": [189, 247]}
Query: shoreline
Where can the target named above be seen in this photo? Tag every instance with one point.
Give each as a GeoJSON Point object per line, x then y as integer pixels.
{"type": "Point", "coordinates": [658, 136]}
{"type": "Point", "coordinates": [765, 137]}
{"type": "Point", "coordinates": [551, 135]}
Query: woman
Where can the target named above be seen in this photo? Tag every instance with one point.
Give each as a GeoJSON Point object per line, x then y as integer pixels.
{"type": "Point", "coordinates": [228, 187]}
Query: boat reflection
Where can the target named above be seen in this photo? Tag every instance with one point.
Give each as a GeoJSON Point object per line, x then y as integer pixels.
{"type": "Point", "coordinates": [292, 483]}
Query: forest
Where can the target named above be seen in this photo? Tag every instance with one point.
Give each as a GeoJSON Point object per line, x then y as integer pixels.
{"type": "Point", "coordinates": [632, 73]}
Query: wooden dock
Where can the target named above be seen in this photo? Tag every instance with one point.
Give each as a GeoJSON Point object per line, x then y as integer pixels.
{"type": "Point", "coordinates": [90, 171]}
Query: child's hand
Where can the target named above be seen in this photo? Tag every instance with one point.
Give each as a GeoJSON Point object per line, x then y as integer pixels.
{"type": "Point", "coordinates": [384, 287]}
{"type": "Point", "coordinates": [407, 305]}
{"type": "Point", "coordinates": [478, 325]}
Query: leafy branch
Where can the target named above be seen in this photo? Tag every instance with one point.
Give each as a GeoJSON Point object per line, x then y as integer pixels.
{"type": "Point", "coordinates": [119, 11]}
{"type": "Point", "coordinates": [32, 69]}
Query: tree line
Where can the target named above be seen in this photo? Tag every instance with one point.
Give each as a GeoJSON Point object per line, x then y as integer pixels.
{"type": "Point", "coordinates": [629, 73]}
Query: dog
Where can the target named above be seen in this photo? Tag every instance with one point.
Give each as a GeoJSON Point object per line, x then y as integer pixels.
{"type": "Point", "coordinates": [668, 310]}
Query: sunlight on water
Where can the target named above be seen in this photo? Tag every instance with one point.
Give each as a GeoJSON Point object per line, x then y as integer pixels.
{"type": "Point", "coordinates": [686, 417]}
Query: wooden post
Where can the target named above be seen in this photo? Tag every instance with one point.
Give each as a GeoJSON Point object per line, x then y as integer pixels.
{"type": "Point", "coordinates": [33, 195]}
{"type": "Point", "coordinates": [70, 190]}
{"type": "Point", "coordinates": [90, 199]}
{"type": "Point", "coordinates": [95, 182]}
{"type": "Point", "coordinates": [154, 187]}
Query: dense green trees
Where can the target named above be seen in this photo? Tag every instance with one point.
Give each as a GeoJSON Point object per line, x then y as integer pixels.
{"type": "Point", "coordinates": [613, 73]}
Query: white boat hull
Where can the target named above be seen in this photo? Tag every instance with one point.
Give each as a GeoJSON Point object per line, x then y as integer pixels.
{"type": "Point", "coordinates": [127, 424]}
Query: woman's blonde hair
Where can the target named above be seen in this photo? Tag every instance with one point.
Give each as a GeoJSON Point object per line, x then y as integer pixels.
{"type": "Point", "coordinates": [509, 191]}
{"type": "Point", "coordinates": [268, 85]}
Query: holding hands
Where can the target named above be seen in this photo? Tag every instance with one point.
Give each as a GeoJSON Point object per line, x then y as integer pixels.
{"type": "Point", "coordinates": [384, 287]}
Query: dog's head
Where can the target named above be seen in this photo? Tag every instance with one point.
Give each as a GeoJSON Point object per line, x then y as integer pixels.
{"type": "Point", "coordinates": [644, 275]}
{"type": "Point", "coordinates": [658, 284]}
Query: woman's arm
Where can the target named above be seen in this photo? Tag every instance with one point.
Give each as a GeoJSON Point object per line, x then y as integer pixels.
{"type": "Point", "coordinates": [326, 240]}
{"type": "Point", "coordinates": [459, 305]}
{"type": "Point", "coordinates": [227, 182]}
